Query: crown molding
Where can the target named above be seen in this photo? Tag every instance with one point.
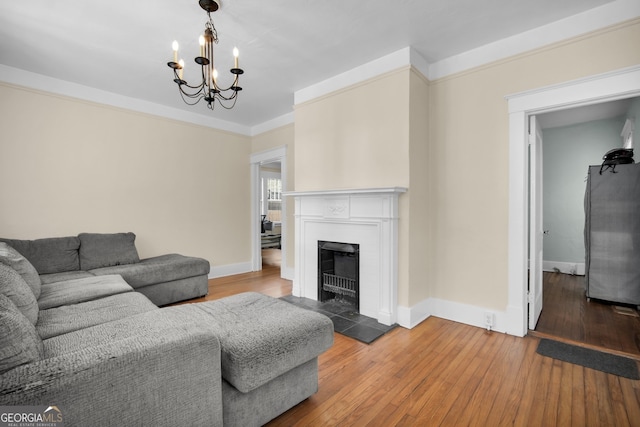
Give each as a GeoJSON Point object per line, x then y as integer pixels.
{"type": "Point", "coordinates": [573, 26]}
{"type": "Point", "coordinates": [595, 19]}
{"type": "Point", "coordinates": [393, 61]}
{"type": "Point", "coordinates": [285, 119]}
{"type": "Point", "coordinates": [28, 79]}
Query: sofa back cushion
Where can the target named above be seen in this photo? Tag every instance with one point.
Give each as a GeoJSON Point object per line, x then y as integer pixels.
{"type": "Point", "coordinates": [19, 341]}
{"type": "Point", "coordinates": [15, 260]}
{"type": "Point", "coordinates": [13, 286]}
{"type": "Point", "coordinates": [50, 255]}
{"type": "Point", "coordinates": [106, 250]}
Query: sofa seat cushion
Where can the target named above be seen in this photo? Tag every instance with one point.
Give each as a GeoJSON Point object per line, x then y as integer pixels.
{"type": "Point", "coordinates": [81, 290]}
{"type": "Point", "coordinates": [61, 277]}
{"type": "Point", "coordinates": [19, 342]}
{"type": "Point", "coordinates": [69, 318]}
{"type": "Point", "coordinates": [15, 260]}
{"type": "Point", "coordinates": [164, 268]}
{"type": "Point", "coordinates": [262, 337]}
{"type": "Point", "coordinates": [149, 323]}
{"type": "Point", "coordinates": [50, 255]}
{"type": "Point", "coordinates": [13, 286]}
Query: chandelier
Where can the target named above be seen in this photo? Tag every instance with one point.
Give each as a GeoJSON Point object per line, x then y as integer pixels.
{"type": "Point", "coordinates": [208, 89]}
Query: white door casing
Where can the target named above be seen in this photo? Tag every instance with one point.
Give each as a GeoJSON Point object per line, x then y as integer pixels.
{"type": "Point", "coordinates": [618, 84]}
{"type": "Point", "coordinates": [256, 159]}
{"type": "Point", "coordinates": [535, 227]}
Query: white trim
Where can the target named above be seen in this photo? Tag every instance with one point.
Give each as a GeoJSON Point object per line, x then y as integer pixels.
{"type": "Point", "coordinates": [614, 85]}
{"type": "Point", "coordinates": [346, 191]}
{"type": "Point", "coordinates": [283, 120]}
{"type": "Point", "coordinates": [576, 25]}
{"type": "Point", "coordinates": [367, 217]}
{"type": "Point", "coordinates": [393, 61]}
{"type": "Point", "coordinates": [576, 268]}
{"type": "Point", "coordinates": [468, 314]}
{"type": "Point", "coordinates": [268, 155]}
{"type": "Point", "coordinates": [572, 26]}
{"type": "Point", "coordinates": [288, 273]}
{"type": "Point", "coordinates": [410, 317]}
{"type": "Point", "coordinates": [278, 153]}
{"type": "Point", "coordinates": [229, 270]}
{"type": "Point", "coordinates": [43, 83]}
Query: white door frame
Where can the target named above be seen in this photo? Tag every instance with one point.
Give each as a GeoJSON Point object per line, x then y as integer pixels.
{"type": "Point", "coordinates": [619, 84]}
{"type": "Point", "coordinates": [257, 159]}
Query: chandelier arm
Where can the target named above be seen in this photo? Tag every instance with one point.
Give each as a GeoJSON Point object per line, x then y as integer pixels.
{"type": "Point", "coordinates": [208, 89]}
{"type": "Point", "coordinates": [180, 82]}
{"type": "Point", "coordinates": [233, 85]}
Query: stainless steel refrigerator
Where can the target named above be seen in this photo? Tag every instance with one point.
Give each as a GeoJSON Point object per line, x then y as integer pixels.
{"type": "Point", "coordinates": [612, 233]}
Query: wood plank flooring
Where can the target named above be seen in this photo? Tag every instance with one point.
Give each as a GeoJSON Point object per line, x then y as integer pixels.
{"type": "Point", "coordinates": [567, 315]}
{"type": "Point", "coordinates": [443, 373]}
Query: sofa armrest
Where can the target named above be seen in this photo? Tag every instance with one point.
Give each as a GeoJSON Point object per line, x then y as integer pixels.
{"type": "Point", "coordinates": [167, 377]}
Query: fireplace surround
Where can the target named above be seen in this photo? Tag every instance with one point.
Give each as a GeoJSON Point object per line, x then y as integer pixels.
{"type": "Point", "coordinates": [367, 218]}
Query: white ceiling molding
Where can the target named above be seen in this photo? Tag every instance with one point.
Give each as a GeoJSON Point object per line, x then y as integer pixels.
{"type": "Point", "coordinates": [573, 26]}
{"type": "Point", "coordinates": [391, 62]}
{"type": "Point", "coordinates": [594, 19]}
{"type": "Point", "coordinates": [43, 83]}
{"type": "Point", "coordinates": [283, 120]}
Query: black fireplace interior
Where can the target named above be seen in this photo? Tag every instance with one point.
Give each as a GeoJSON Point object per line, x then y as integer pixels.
{"type": "Point", "coordinates": [338, 272]}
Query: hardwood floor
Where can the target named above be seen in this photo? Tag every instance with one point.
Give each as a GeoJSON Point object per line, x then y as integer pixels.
{"type": "Point", "coordinates": [567, 315]}
{"type": "Point", "coordinates": [443, 373]}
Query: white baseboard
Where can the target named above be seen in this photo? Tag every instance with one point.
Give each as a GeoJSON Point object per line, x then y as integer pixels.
{"type": "Point", "coordinates": [409, 317]}
{"type": "Point", "coordinates": [229, 270]}
{"type": "Point", "coordinates": [288, 273]}
{"type": "Point", "coordinates": [577, 268]}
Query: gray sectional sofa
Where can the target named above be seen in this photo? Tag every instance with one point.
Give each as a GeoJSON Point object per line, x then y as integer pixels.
{"type": "Point", "coordinates": [163, 279]}
{"type": "Point", "coordinates": [105, 354]}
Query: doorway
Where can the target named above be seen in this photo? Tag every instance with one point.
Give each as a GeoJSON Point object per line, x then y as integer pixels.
{"type": "Point", "coordinates": [611, 86]}
{"type": "Point", "coordinates": [573, 140]}
{"type": "Point", "coordinates": [266, 201]}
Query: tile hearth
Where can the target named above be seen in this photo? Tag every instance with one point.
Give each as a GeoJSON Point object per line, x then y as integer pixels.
{"type": "Point", "coordinates": [346, 320]}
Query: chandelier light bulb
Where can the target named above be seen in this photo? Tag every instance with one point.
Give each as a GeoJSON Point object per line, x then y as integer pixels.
{"type": "Point", "coordinates": [215, 77]}
{"type": "Point", "coordinates": [174, 46]}
{"type": "Point", "coordinates": [181, 73]}
{"type": "Point", "coordinates": [235, 57]}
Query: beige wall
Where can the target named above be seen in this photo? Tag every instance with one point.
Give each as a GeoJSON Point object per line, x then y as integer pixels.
{"type": "Point", "coordinates": [282, 136]}
{"type": "Point", "coordinates": [469, 135]}
{"type": "Point", "coordinates": [420, 213]}
{"type": "Point", "coordinates": [359, 138]}
{"type": "Point", "coordinates": [355, 138]}
{"type": "Point", "coordinates": [69, 166]}
{"type": "Point", "coordinates": [452, 153]}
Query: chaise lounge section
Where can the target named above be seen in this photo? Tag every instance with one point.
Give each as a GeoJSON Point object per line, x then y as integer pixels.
{"type": "Point", "coordinates": [104, 354]}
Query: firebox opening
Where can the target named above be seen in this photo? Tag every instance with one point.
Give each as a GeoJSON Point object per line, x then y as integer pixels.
{"type": "Point", "coordinates": [339, 272]}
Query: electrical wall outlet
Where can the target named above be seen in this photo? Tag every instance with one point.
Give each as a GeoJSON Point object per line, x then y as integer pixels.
{"type": "Point", "coordinates": [489, 320]}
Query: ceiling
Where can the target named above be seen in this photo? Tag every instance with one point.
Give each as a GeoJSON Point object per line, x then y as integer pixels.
{"type": "Point", "coordinates": [587, 113]}
{"type": "Point", "coordinates": [122, 47]}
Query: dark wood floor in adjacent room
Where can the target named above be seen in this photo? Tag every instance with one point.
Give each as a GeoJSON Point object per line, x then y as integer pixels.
{"type": "Point", "coordinates": [568, 316]}
{"type": "Point", "coordinates": [443, 373]}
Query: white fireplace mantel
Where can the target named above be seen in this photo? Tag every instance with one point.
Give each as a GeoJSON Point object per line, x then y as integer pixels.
{"type": "Point", "coordinates": [367, 217]}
